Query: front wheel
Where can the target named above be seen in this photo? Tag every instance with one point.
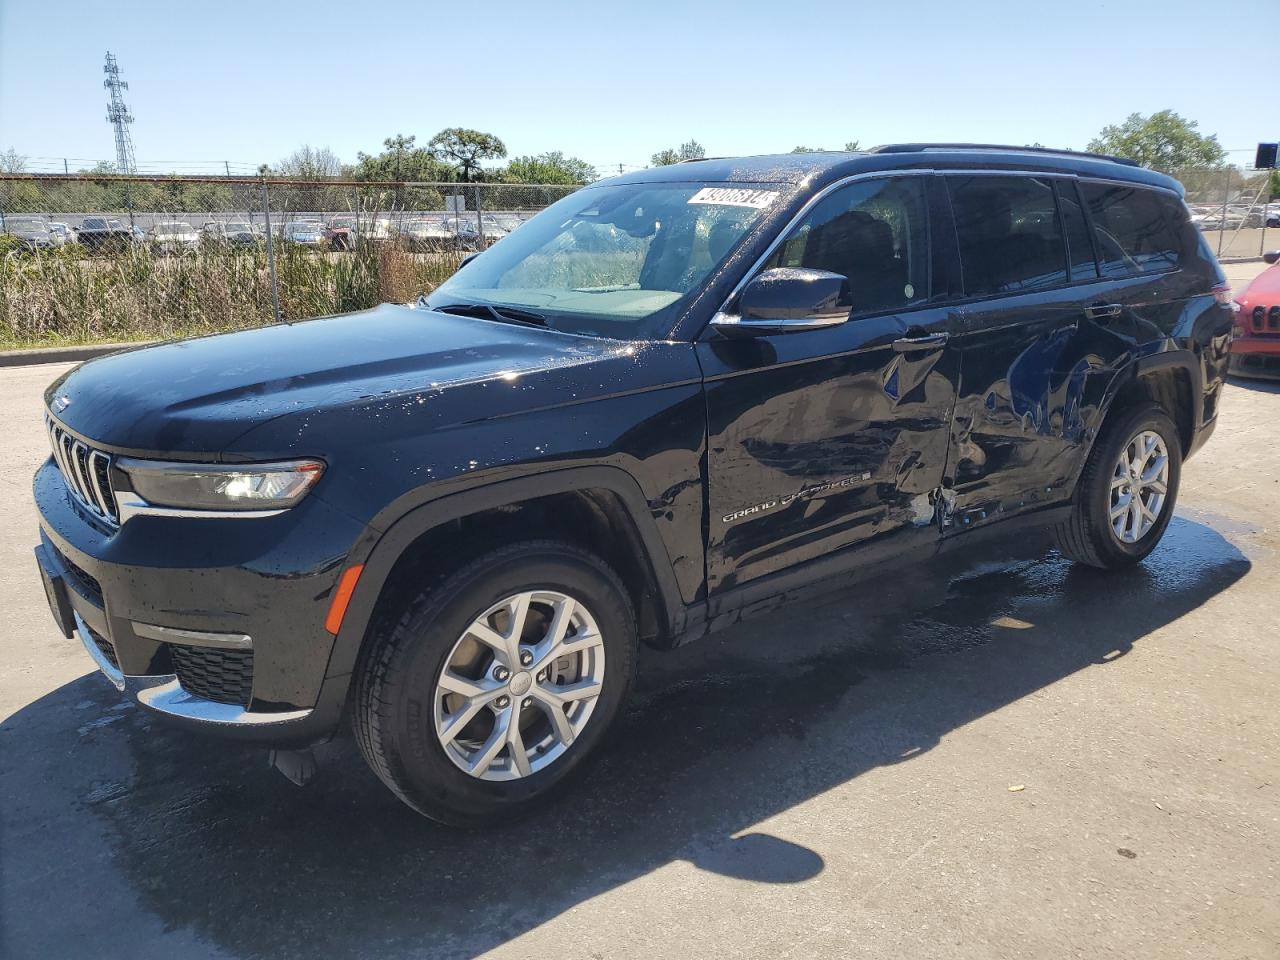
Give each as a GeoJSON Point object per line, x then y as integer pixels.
{"type": "Point", "coordinates": [1126, 495]}
{"type": "Point", "coordinates": [496, 685]}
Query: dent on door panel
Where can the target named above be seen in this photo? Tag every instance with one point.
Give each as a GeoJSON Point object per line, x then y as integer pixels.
{"type": "Point", "coordinates": [1030, 395]}
{"type": "Point", "coordinates": [809, 457]}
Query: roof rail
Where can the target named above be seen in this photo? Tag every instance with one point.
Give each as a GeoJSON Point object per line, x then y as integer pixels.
{"type": "Point", "coordinates": [922, 147]}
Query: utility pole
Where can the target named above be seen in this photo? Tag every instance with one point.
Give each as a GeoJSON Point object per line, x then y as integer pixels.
{"type": "Point", "coordinates": [226, 165]}
{"type": "Point", "coordinates": [118, 116]}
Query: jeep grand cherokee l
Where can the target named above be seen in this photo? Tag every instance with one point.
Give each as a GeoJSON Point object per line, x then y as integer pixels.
{"type": "Point", "coordinates": [666, 401]}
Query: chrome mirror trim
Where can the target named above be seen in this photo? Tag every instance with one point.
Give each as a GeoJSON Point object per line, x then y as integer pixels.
{"type": "Point", "coordinates": [734, 326]}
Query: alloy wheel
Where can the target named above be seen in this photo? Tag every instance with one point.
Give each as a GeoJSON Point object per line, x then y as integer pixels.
{"type": "Point", "coordinates": [1139, 486]}
{"type": "Point", "coordinates": [519, 685]}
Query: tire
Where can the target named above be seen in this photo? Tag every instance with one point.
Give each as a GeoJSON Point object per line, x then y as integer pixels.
{"type": "Point", "coordinates": [1089, 536]}
{"type": "Point", "coordinates": [399, 711]}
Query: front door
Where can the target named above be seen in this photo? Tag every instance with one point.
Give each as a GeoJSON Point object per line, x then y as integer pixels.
{"type": "Point", "coordinates": [823, 439]}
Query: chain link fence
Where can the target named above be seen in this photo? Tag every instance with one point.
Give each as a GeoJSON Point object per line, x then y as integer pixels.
{"type": "Point", "coordinates": [89, 259]}
{"type": "Point", "coordinates": [1234, 209]}
{"type": "Point", "coordinates": [97, 259]}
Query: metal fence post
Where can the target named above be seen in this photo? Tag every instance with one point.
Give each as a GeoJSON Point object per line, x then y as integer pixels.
{"type": "Point", "coordinates": [355, 210]}
{"type": "Point", "coordinates": [1226, 192]}
{"type": "Point", "coordinates": [479, 217]}
{"type": "Point", "coordinates": [271, 251]}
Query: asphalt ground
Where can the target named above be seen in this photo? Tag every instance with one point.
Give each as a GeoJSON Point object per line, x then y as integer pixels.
{"type": "Point", "coordinates": [1024, 759]}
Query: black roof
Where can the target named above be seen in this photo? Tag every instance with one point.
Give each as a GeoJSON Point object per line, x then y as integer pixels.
{"type": "Point", "coordinates": [818, 169]}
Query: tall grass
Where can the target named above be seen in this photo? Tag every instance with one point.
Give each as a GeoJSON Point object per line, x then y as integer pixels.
{"type": "Point", "coordinates": [65, 297]}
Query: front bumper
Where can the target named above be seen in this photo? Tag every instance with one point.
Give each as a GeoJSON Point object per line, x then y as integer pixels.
{"type": "Point", "coordinates": [236, 606]}
{"type": "Point", "coordinates": [1255, 357]}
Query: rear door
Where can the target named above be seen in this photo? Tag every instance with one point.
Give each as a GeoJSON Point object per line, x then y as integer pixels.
{"type": "Point", "coordinates": [825, 439]}
{"type": "Point", "coordinates": [1029, 275]}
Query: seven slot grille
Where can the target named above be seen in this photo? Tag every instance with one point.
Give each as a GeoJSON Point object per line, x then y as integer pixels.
{"type": "Point", "coordinates": [87, 471]}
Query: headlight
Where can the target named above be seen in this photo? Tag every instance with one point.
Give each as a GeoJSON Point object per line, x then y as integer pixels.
{"type": "Point", "coordinates": [213, 486]}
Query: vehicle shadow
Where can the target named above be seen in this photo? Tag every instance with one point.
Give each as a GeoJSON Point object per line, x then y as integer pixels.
{"type": "Point", "coordinates": [202, 839]}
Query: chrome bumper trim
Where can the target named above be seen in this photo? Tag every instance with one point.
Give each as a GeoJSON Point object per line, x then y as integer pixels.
{"type": "Point", "coordinates": [193, 638]}
{"type": "Point", "coordinates": [111, 673]}
{"type": "Point", "coordinates": [171, 699]}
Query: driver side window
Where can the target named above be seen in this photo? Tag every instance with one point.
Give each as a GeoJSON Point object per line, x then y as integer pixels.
{"type": "Point", "coordinates": [875, 233]}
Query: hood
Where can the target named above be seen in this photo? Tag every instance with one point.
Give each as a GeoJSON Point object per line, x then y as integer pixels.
{"type": "Point", "coordinates": [1264, 290]}
{"type": "Point", "coordinates": [198, 396]}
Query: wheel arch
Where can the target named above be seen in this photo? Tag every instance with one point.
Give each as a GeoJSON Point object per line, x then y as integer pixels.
{"type": "Point", "coordinates": [1172, 379]}
{"type": "Point", "coordinates": [589, 506]}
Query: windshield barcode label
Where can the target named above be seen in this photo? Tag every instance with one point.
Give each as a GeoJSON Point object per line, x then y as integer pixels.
{"type": "Point", "coordinates": [734, 197]}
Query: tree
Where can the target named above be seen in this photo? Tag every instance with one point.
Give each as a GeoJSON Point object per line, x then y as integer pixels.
{"type": "Point", "coordinates": [1162, 141]}
{"type": "Point", "coordinates": [552, 167]}
{"type": "Point", "coordinates": [465, 148]}
{"type": "Point", "coordinates": [11, 161]}
{"type": "Point", "coordinates": [310, 163]}
{"type": "Point", "coordinates": [851, 146]}
{"type": "Point", "coordinates": [690, 150]}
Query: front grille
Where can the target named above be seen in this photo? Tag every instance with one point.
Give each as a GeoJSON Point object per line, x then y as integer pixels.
{"type": "Point", "coordinates": [104, 645]}
{"type": "Point", "coordinates": [86, 471]}
{"type": "Point", "coordinates": [225, 676]}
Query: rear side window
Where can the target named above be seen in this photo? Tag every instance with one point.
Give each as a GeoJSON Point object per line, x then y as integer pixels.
{"type": "Point", "coordinates": [1137, 230]}
{"type": "Point", "coordinates": [1009, 233]}
{"type": "Point", "coordinates": [875, 232]}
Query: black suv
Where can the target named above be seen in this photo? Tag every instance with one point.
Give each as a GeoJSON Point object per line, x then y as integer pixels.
{"type": "Point", "coordinates": [670, 400]}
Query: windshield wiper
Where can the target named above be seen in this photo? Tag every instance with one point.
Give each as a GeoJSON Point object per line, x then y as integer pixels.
{"type": "Point", "coordinates": [488, 311]}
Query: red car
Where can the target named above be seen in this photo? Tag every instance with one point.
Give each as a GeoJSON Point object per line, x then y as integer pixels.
{"type": "Point", "coordinates": [1255, 340]}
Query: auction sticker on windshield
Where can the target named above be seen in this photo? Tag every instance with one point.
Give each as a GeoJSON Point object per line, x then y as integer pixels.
{"type": "Point", "coordinates": [735, 197]}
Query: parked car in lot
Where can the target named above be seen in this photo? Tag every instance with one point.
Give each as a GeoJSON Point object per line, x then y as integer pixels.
{"type": "Point", "coordinates": [33, 232]}
{"type": "Point", "coordinates": [106, 235]}
{"type": "Point", "coordinates": [1255, 337]}
{"type": "Point", "coordinates": [428, 234]}
{"type": "Point", "coordinates": [342, 232]}
{"type": "Point", "coordinates": [235, 233]}
{"type": "Point", "coordinates": [671, 400]}
{"type": "Point", "coordinates": [306, 233]}
{"type": "Point", "coordinates": [61, 234]}
{"type": "Point", "coordinates": [174, 237]}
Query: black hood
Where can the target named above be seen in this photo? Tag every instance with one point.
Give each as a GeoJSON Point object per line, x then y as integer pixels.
{"type": "Point", "coordinates": [198, 396]}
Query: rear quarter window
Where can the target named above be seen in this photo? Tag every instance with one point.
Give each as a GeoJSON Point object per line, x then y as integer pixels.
{"type": "Point", "coordinates": [1137, 230]}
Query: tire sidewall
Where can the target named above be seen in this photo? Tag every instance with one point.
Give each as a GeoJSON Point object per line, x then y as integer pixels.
{"type": "Point", "coordinates": [413, 746]}
{"type": "Point", "coordinates": [1099, 496]}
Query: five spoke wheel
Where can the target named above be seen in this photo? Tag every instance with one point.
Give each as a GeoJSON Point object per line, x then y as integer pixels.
{"type": "Point", "coordinates": [519, 685]}
{"type": "Point", "coordinates": [1139, 486]}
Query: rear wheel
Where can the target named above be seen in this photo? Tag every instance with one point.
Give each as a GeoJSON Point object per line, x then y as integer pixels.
{"type": "Point", "coordinates": [496, 685]}
{"type": "Point", "coordinates": [1126, 495]}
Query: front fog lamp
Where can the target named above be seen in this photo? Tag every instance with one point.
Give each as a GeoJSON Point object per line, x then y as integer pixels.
{"type": "Point", "coordinates": [213, 486]}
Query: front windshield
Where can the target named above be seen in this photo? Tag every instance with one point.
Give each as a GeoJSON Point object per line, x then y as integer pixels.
{"type": "Point", "coordinates": [616, 261]}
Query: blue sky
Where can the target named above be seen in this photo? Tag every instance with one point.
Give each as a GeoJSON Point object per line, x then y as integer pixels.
{"type": "Point", "coordinates": [612, 83]}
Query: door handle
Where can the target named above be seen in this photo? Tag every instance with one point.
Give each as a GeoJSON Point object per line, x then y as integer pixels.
{"type": "Point", "coordinates": [922, 342]}
{"type": "Point", "coordinates": [1103, 311]}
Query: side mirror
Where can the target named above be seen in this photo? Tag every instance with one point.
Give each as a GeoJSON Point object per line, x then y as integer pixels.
{"type": "Point", "coordinates": [787, 300]}
{"type": "Point", "coordinates": [1271, 257]}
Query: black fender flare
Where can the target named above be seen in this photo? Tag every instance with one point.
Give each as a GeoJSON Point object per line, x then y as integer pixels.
{"type": "Point", "coordinates": [1180, 358]}
{"type": "Point", "coordinates": [379, 549]}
